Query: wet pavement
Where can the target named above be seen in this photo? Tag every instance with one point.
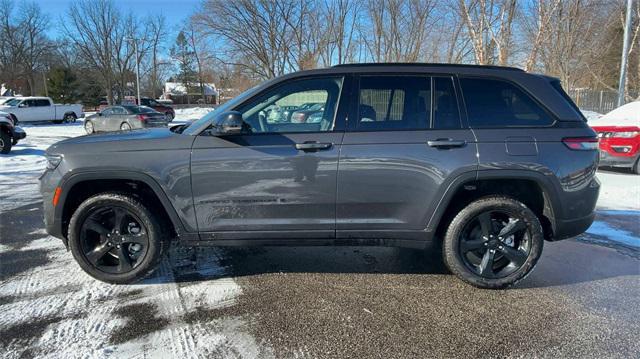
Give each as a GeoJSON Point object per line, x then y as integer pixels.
{"type": "Point", "coordinates": [582, 300]}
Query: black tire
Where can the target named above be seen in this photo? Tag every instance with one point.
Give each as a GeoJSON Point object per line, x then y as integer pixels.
{"type": "Point", "coordinates": [5, 142]}
{"type": "Point", "coordinates": [471, 236]}
{"type": "Point", "coordinates": [125, 126]}
{"type": "Point", "coordinates": [109, 266]}
{"type": "Point", "coordinates": [636, 167]}
{"type": "Point", "coordinates": [69, 118]}
{"type": "Point", "coordinates": [15, 119]}
{"type": "Point", "coordinates": [169, 115]}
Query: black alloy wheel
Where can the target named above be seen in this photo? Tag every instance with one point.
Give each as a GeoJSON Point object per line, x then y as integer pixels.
{"type": "Point", "coordinates": [495, 244]}
{"type": "Point", "coordinates": [113, 240]}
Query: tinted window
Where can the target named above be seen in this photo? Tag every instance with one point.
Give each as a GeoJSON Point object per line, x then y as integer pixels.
{"type": "Point", "coordinates": [445, 105]}
{"type": "Point", "coordinates": [139, 109]}
{"type": "Point", "coordinates": [398, 102]}
{"type": "Point", "coordinates": [107, 111]}
{"type": "Point", "coordinates": [495, 103]}
{"type": "Point", "coordinates": [42, 102]}
{"type": "Point", "coordinates": [286, 108]}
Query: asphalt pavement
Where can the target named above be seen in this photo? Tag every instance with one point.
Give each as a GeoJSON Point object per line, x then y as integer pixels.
{"type": "Point", "coordinates": [582, 300]}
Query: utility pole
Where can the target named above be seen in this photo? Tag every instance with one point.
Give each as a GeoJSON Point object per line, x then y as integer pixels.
{"type": "Point", "coordinates": [135, 48]}
{"type": "Point", "coordinates": [625, 54]}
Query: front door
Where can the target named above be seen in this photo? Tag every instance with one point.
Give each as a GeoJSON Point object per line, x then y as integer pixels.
{"type": "Point", "coordinates": [277, 178]}
{"type": "Point", "coordinates": [407, 141]}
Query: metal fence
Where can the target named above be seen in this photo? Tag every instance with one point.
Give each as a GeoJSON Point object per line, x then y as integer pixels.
{"type": "Point", "coordinates": [596, 100]}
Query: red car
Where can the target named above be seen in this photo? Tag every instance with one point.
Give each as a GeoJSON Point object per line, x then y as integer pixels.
{"type": "Point", "coordinates": [160, 107]}
{"type": "Point", "coordinates": [619, 134]}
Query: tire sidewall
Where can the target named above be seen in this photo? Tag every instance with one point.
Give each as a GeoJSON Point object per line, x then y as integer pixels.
{"type": "Point", "coordinates": [7, 143]}
{"type": "Point", "coordinates": [154, 230]}
{"type": "Point", "coordinates": [451, 243]}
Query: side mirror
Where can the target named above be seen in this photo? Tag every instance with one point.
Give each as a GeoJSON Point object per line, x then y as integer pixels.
{"type": "Point", "coordinates": [229, 123]}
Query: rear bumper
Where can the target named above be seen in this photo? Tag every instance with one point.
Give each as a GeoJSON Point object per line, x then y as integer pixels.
{"type": "Point", "coordinates": [608, 159]}
{"type": "Point", "coordinates": [567, 228]}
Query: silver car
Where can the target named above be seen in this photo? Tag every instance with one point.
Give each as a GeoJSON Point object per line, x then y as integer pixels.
{"type": "Point", "coordinates": [124, 118]}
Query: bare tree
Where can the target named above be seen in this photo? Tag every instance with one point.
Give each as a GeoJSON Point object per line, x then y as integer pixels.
{"type": "Point", "coordinates": [337, 23]}
{"type": "Point", "coordinates": [259, 34]}
{"type": "Point", "coordinates": [490, 27]}
{"type": "Point", "coordinates": [397, 29]}
{"type": "Point", "coordinates": [157, 33]}
{"type": "Point", "coordinates": [536, 32]}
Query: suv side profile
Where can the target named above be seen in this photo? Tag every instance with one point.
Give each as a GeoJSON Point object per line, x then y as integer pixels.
{"type": "Point", "coordinates": [483, 162]}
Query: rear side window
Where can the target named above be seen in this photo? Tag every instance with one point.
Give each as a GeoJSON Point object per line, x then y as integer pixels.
{"type": "Point", "coordinates": [394, 102]}
{"type": "Point", "coordinates": [495, 103]}
{"type": "Point", "coordinates": [42, 103]}
{"type": "Point", "coordinates": [445, 105]}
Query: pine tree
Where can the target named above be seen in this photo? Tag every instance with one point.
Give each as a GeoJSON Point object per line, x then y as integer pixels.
{"type": "Point", "coordinates": [185, 57]}
{"type": "Point", "coordinates": [61, 82]}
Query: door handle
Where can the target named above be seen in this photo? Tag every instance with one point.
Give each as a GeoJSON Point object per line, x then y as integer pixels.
{"type": "Point", "coordinates": [446, 143]}
{"type": "Point", "coordinates": [313, 146]}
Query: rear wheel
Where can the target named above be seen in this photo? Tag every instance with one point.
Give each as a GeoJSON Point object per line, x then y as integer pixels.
{"type": "Point", "coordinates": [5, 142]}
{"type": "Point", "coordinates": [636, 167]}
{"type": "Point", "coordinates": [125, 127]}
{"type": "Point", "coordinates": [69, 118]}
{"type": "Point", "coordinates": [493, 243]}
{"type": "Point", "coordinates": [169, 116]}
{"type": "Point", "coordinates": [116, 239]}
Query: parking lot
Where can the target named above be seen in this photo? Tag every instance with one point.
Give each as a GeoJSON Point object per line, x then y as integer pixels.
{"type": "Point", "coordinates": [582, 300]}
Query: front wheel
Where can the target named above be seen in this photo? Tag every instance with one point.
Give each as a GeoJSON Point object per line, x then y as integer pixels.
{"type": "Point", "coordinates": [493, 242]}
{"type": "Point", "coordinates": [116, 239]}
{"type": "Point", "coordinates": [5, 143]}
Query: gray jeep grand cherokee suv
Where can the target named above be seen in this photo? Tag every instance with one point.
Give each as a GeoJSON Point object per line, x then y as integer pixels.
{"type": "Point", "coordinates": [485, 162]}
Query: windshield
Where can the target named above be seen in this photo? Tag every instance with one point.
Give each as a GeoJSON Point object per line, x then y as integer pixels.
{"type": "Point", "coordinates": [13, 102]}
{"type": "Point", "coordinates": [139, 109]}
{"type": "Point", "coordinates": [205, 121]}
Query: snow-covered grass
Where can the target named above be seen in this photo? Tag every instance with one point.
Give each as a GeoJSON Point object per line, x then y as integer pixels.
{"type": "Point", "coordinates": [591, 115]}
{"type": "Point", "coordinates": [627, 115]}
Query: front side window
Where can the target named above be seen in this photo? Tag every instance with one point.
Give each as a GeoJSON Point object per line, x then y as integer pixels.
{"type": "Point", "coordinates": [394, 102]}
{"type": "Point", "coordinates": [496, 103]}
{"type": "Point", "coordinates": [307, 105]}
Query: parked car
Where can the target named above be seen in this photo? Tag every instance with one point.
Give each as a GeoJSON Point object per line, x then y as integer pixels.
{"type": "Point", "coordinates": [619, 134]}
{"type": "Point", "coordinates": [160, 107]}
{"type": "Point", "coordinates": [30, 109]}
{"type": "Point", "coordinates": [484, 162]}
{"type": "Point", "coordinates": [10, 134]}
{"type": "Point", "coordinates": [306, 113]}
{"type": "Point", "coordinates": [4, 99]}
{"type": "Point", "coordinates": [124, 118]}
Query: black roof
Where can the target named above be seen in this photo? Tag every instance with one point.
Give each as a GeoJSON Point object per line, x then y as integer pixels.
{"type": "Point", "coordinates": [432, 65]}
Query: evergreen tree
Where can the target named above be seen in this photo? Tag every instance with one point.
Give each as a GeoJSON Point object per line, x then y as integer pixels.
{"type": "Point", "coordinates": [185, 57]}
{"type": "Point", "coordinates": [61, 82]}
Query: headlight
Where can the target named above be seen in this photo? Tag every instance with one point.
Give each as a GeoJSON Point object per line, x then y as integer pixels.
{"type": "Point", "coordinates": [628, 134]}
{"type": "Point", "coordinates": [53, 161]}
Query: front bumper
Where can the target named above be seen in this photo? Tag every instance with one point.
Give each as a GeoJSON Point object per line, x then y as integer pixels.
{"type": "Point", "coordinates": [609, 160]}
{"type": "Point", "coordinates": [18, 133]}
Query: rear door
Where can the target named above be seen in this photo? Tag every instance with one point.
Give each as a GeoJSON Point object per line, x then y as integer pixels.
{"type": "Point", "coordinates": [404, 144]}
{"type": "Point", "coordinates": [278, 178]}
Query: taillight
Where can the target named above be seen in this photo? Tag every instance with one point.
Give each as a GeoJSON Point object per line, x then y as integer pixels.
{"type": "Point", "coordinates": [141, 118]}
{"type": "Point", "coordinates": [581, 143]}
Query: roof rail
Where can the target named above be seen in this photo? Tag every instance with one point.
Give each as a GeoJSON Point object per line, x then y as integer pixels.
{"type": "Point", "coordinates": [421, 64]}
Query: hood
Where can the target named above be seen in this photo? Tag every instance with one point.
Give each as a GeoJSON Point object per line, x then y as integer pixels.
{"type": "Point", "coordinates": [119, 142]}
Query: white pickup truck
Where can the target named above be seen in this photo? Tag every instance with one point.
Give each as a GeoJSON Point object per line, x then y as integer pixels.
{"type": "Point", "coordinates": [29, 109]}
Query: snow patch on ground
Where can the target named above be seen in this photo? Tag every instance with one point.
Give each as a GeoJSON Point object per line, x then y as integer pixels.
{"type": "Point", "coordinates": [627, 115]}
{"type": "Point", "coordinates": [591, 115]}
{"type": "Point", "coordinates": [193, 113]}
{"type": "Point", "coordinates": [619, 190]}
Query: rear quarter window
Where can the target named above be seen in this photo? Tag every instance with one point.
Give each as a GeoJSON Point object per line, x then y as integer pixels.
{"type": "Point", "coordinates": [494, 103]}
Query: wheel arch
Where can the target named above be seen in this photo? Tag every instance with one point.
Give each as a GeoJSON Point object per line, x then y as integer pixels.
{"type": "Point", "coordinates": [530, 187]}
{"type": "Point", "coordinates": [79, 186]}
